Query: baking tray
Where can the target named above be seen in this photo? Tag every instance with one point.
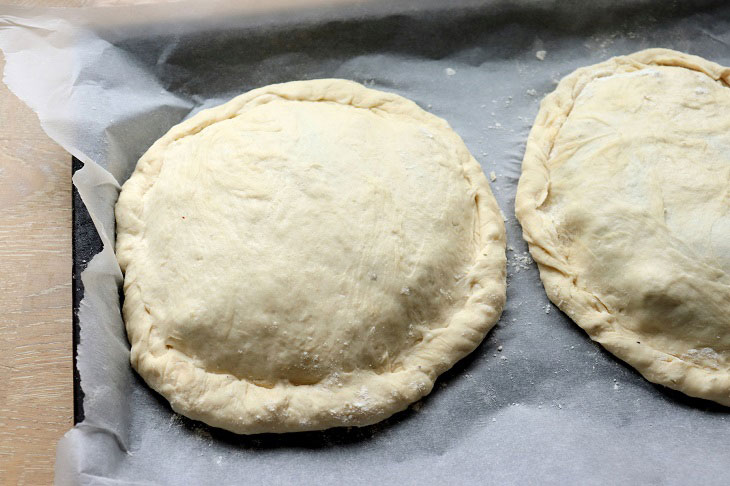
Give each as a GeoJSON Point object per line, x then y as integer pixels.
{"type": "Point", "coordinates": [522, 415]}
{"type": "Point", "coordinates": [85, 243]}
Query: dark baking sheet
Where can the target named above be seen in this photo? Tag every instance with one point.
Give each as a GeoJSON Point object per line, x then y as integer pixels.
{"type": "Point", "coordinates": [526, 389]}
{"type": "Point", "coordinates": [85, 243]}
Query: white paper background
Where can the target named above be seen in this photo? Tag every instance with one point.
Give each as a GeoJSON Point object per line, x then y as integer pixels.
{"type": "Point", "coordinates": [552, 407]}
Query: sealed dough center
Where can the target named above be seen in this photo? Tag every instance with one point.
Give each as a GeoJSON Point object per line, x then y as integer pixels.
{"type": "Point", "coordinates": [299, 251]}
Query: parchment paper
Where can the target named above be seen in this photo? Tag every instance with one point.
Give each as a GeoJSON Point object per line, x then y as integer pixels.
{"type": "Point", "coordinates": [550, 408]}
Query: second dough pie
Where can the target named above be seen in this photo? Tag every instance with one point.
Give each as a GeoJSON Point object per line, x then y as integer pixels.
{"type": "Point", "coordinates": [624, 200]}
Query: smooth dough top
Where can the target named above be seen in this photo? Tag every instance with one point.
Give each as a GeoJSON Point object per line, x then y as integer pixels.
{"type": "Point", "coordinates": [624, 200]}
{"type": "Point", "coordinates": [308, 255]}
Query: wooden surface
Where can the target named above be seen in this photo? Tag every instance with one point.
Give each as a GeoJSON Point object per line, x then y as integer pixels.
{"type": "Point", "coordinates": [35, 291]}
{"type": "Point", "coordinates": [35, 296]}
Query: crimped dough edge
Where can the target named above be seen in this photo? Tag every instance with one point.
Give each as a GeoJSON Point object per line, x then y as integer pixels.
{"type": "Point", "coordinates": [240, 406]}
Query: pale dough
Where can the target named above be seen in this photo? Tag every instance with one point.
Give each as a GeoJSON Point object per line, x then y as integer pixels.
{"type": "Point", "coordinates": [308, 255]}
{"type": "Point", "coordinates": [624, 200]}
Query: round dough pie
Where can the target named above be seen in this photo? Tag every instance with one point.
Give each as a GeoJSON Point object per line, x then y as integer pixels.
{"type": "Point", "coordinates": [308, 255]}
{"type": "Point", "coordinates": [624, 200]}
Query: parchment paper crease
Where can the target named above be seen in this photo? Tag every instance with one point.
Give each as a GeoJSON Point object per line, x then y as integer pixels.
{"type": "Point", "coordinates": [550, 408]}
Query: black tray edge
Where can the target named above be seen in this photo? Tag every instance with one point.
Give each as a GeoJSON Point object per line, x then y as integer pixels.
{"type": "Point", "coordinates": [85, 243]}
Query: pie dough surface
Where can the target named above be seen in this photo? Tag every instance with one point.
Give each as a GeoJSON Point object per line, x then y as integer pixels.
{"type": "Point", "coordinates": [308, 255]}
{"type": "Point", "coordinates": [624, 200]}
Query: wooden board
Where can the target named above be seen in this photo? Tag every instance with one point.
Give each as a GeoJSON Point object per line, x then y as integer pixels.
{"type": "Point", "coordinates": [35, 295]}
{"type": "Point", "coordinates": [36, 405]}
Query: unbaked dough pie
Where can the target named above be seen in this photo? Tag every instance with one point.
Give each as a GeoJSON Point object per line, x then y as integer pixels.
{"type": "Point", "coordinates": [624, 200]}
{"type": "Point", "coordinates": [308, 255]}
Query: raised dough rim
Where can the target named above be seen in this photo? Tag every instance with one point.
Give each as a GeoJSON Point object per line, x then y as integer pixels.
{"type": "Point", "coordinates": [657, 366]}
{"type": "Point", "coordinates": [244, 407]}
